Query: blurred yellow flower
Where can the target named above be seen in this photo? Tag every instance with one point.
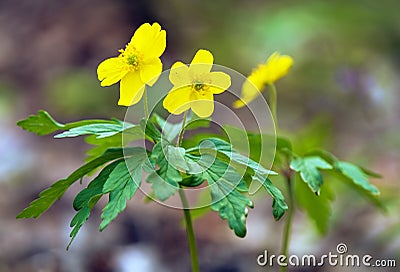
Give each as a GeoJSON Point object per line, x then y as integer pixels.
{"type": "Point", "coordinates": [195, 85]}
{"type": "Point", "coordinates": [137, 65]}
{"type": "Point", "coordinates": [277, 66]}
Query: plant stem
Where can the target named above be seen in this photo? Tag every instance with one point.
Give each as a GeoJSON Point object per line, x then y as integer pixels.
{"type": "Point", "coordinates": [145, 105]}
{"type": "Point", "coordinates": [288, 226]}
{"type": "Point", "coordinates": [182, 129]}
{"type": "Point", "coordinates": [272, 99]}
{"type": "Point", "coordinates": [190, 232]}
{"type": "Point", "coordinates": [186, 211]}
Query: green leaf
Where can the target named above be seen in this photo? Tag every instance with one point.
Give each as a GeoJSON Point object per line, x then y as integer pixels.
{"type": "Point", "coordinates": [318, 208]}
{"type": "Point", "coordinates": [308, 169]}
{"type": "Point", "coordinates": [122, 184]}
{"type": "Point", "coordinates": [279, 206]}
{"type": "Point", "coordinates": [88, 197]}
{"type": "Point", "coordinates": [226, 199]}
{"type": "Point", "coordinates": [165, 181]}
{"type": "Point", "coordinates": [171, 130]}
{"type": "Point", "coordinates": [100, 145]}
{"type": "Point", "coordinates": [44, 124]}
{"type": "Point", "coordinates": [356, 175]}
{"type": "Point", "coordinates": [192, 180]}
{"type": "Point", "coordinates": [48, 196]}
{"type": "Point", "coordinates": [104, 130]}
{"type": "Point", "coordinates": [150, 130]}
{"type": "Point", "coordinates": [41, 124]}
{"type": "Point", "coordinates": [254, 169]}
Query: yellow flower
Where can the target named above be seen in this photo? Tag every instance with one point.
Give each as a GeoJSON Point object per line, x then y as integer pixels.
{"type": "Point", "coordinates": [195, 85]}
{"type": "Point", "coordinates": [137, 65]}
{"type": "Point", "coordinates": [277, 66]}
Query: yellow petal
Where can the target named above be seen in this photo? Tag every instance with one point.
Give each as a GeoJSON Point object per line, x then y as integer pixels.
{"type": "Point", "coordinates": [277, 66]}
{"type": "Point", "coordinates": [177, 100]}
{"type": "Point", "coordinates": [110, 71]}
{"type": "Point", "coordinates": [249, 92]}
{"type": "Point", "coordinates": [149, 40]}
{"type": "Point", "coordinates": [131, 89]}
{"type": "Point", "coordinates": [179, 74]}
{"type": "Point", "coordinates": [150, 70]}
{"type": "Point", "coordinates": [202, 62]}
{"type": "Point", "coordinates": [220, 81]}
{"type": "Point", "coordinates": [202, 105]}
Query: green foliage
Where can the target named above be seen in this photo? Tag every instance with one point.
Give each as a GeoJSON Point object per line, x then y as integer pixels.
{"type": "Point", "coordinates": [101, 130]}
{"type": "Point", "coordinates": [226, 198]}
{"type": "Point", "coordinates": [308, 169]}
{"type": "Point", "coordinates": [165, 181]}
{"type": "Point", "coordinates": [122, 184]}
{"type": "Point", "coordinates": [171, 131]}
{"type": "Point", "coordinates": [356, 175]}
{"type": "Point", "coordinates": [151, 130]}
{"type": "Point", "coordinates": [57, 190]}
{"type": "Point", "coordinates": [252, 168]}
{"type": "Point", "coordinates": [88, 197]}
{"type": "Point", "coordinates": [317, 207]}
{"type": "Point", "coordinates": [41, 124]}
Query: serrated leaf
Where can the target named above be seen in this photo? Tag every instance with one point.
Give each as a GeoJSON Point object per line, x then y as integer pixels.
{"type": "Point", "coordinates": [226, 199]}
{"type": "Point", "coordinates": [279, 206]}
{"type": "Point", "coordinates": [41, 124]}
{"type": "Point", "coordinates": [122, 184]}
{"type": "Point", "coordinates": [48, 196]}
{"type": "Point", "coordinates": [165, 181]}
{"type": "Point", "coordinates": [356, 175]}
{"type": "Point", "coordinates": [88, 197]}
{"type": "Point", "coordinates": [255, 170]}
{"type": "Point", "coordinates": [308, 169]}
{"type": "Point", "coordinates": [317, 208]}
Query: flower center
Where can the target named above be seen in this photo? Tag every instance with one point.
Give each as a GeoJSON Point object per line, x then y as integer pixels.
{"type": "Point", "coordinates": [200, 87]}
{"type": "Point", "coordinates": [132, 60]}
{"type": "Point", "coordinates": [131, 57]}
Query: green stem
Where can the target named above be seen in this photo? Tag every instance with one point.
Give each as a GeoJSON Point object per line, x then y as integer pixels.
{"type": "Point", "coordinates": [288, 226]}
{"type": "Point", "coordinates": [272, 99]}
{"type": "Point", "coordinates": [190, 232]}
{"type": "Point", "coordinates": [180, 137]}
{"type": "Point", "coordinates": [145, 105]}
{"type": "Point", "coordinates": [186, 211]}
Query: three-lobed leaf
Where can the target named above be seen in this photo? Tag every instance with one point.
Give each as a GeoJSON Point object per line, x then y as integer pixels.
{"type": "Point", "coordinates": [308, 168]}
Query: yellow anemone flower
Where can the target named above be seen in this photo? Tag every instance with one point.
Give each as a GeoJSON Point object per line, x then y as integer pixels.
{"type": "Point", "coordinates": [276, 67]}
{"type": "Point", "coordinates": [195, 85]}
{"type": "Point", "coordinates": [137, 65]}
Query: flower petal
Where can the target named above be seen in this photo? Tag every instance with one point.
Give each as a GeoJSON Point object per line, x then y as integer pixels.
{"type": "Point", "coordinates": [150, 71]}
{"type": "Point", "coordinates": [179, 74]}
{"type": "Point", "coordinates": [110, 71]}
{"type": "Point", "coordinates": [178, 100]}
{"type": "Point", "coordinates": [250, 91]}
{"type": "Point", "coordinates": [131, 89]}
{"type": "Point", "coordinates": [150, 40]}
{"type": "Point", "coordinates": [220, 81]}
{"type": "Point", "coordinates": [277, 66]}
{"type": "Point", "coordinates": [202, 105]}
{"type": "Point", "coordinates": [202, 62]}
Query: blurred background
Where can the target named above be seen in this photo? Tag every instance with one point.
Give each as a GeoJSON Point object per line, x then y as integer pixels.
{"type": "Point", "coordinates": [342, 94]}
